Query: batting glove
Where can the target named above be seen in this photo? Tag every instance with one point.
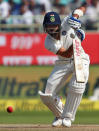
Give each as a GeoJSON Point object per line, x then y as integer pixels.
{"type": "Point", "coordinates": [81, 34]}
{"type": "Point", "coordinates": [74, 23]}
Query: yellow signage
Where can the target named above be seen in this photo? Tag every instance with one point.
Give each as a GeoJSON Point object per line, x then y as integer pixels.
{"type": "Point", "coordinates": [37, 105]}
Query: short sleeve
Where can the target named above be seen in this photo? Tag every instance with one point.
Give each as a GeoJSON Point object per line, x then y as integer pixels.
{"type": "Point", "coordinates": [52, 46]}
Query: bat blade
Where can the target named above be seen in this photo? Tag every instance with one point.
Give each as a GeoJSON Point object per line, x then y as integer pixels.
{"type": "Point", "coordinates": [77, 60]}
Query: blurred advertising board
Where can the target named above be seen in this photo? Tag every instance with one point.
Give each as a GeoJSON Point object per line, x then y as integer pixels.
{"type": "Point", "coordinates": [19, 87]}
{"type": "Point", "coordinates": [37, 105]}
{"type": "Point", "coordinates": [26, 81]}
{"type": "Point", "coordinates": [24, 49]}
{"type": "Point", "coordinates": [28, 49]}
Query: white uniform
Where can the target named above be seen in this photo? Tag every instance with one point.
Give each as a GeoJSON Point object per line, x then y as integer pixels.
{"type": "Point", "coordinates": [63, 68]}
{"type": "Point", "coordinates": [65, 65]}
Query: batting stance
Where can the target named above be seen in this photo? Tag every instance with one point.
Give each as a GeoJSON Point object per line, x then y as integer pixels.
{"type": "Point", "coordinates": [59, 42]}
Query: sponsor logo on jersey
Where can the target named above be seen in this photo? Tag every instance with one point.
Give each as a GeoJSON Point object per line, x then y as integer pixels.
{"type": "Point", "coordinates": [64, 32]}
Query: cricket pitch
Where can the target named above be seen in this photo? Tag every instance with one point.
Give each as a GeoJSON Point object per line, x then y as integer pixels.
{"type": "Point", "coordinates": [42, 127]}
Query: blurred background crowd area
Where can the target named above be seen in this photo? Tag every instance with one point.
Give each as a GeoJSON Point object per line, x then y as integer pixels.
{"type": "Point", "coordinates": [27, 15]}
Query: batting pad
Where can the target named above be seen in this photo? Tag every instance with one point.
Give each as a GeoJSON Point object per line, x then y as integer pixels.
{"type": "Point", "coordinates": [72, 102]}
{"type": "Point", "coordinates": [52, 104]}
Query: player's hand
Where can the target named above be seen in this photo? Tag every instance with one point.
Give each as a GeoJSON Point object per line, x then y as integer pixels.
{"type": "Point", "coordinates": [74, 23]}
{"type": "Point", "coordinates": [81, 34]}
{"type": "Point", "coordinates": [69, 52]}
{"type": "Point", "coordinates": [65, 53]}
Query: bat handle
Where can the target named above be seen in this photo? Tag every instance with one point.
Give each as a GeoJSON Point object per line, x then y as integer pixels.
{"type": "Point", "coordinates": [72, 35]}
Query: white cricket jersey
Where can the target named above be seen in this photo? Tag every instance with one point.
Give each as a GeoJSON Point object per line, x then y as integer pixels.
{"type": "Point", "coordinates": [65, 41]}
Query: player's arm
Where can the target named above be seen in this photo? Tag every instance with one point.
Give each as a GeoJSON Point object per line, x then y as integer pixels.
{"type": "Point", "coordinates": [65, 53]}
{"type": "Point", "coordinates": [69, 52]}
{"type": "Point", "coordinates": [75, 23]}
{"type": "Point", "coordinates": [73, 19]}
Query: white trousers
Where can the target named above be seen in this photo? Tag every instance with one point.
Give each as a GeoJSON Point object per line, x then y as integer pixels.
{"type": "Point", "coordinates": [60, 74]}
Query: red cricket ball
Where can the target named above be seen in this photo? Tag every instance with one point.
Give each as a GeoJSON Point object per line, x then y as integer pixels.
{"type": "Point", "coordinates": [9, 109]}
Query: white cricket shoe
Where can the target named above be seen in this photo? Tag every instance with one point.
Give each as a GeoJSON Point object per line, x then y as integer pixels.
{"type": "Point", "coordinates": [57, 122]}
{"type": "Point", "coordinates": [66, 122]}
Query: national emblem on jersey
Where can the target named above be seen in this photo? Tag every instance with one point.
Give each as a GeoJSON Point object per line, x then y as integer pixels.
{"type": "Point", "coordinates": [52, 18]}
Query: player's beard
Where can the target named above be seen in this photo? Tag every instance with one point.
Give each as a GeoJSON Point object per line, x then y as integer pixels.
{"type": "Point", "coordinates": [56, 35]}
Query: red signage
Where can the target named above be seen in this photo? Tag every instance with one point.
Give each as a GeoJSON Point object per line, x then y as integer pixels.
{"type": "Point", "coordinates": [91, 46]}
{"type": "Point", "coordinates": [28, 49]}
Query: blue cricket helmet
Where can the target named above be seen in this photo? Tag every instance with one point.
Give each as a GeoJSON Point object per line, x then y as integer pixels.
{"type": "Point", "coordinates": [51, 18]}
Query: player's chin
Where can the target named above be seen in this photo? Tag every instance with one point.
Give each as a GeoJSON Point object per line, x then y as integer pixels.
{"type": "Point", "coordinates": [54, 34]}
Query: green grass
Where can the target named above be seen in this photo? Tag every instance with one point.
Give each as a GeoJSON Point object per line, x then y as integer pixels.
{"type": "Point", "coordinates": [26, 117]}
{"type": "Point", "coordinates": [87, 117]}
{"type": "Point", "coordinates": [82, 117]}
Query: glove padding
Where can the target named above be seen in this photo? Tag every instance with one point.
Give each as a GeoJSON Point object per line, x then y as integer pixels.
{"type": "Point", "coordinates": [81, 34]}
{"type": "Point", "coordinates": [74, 23]}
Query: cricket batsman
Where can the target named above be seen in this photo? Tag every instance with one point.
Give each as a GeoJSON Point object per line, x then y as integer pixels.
{"type": "Point", "coordinates": [60, 42]}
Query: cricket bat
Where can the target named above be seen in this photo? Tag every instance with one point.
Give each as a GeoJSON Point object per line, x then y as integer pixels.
{"type": "Point", "coordinates": [79, 69]}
